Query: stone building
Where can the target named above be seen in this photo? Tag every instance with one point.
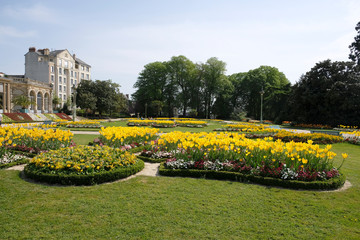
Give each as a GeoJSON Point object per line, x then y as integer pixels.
{"type": "Point", "coordinates": [59, 68]}
{"type": "Point", "coordinates": [12, 86]}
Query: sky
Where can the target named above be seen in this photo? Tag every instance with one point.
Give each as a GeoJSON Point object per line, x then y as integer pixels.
{"type": "Point", "coordinates": [119, 37]}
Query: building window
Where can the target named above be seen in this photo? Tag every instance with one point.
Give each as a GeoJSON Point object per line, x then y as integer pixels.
{"type": "Point", "coordinates": [52, 69]}
{"type": "Point", "coordinates": [82, 67]}
{"type": "Point", "coordinates": [66, 55]}
{"type": "Point", "coordinates": [66, 63]}
{"type": "Point", "coordinates": [72, 82]}
{"type": "Point", "coordinates": [87, 69]}
{"type": "Point", "coordinates": [60, 96]}
{"type": "Point", "coordinates": [60, 79]}
{"type": "Point", "coordinates": [75, 81]}
{"type": "Point", "coordinates": [64, 97]}
{"type": "Point", "coordinates": [60, 71]}
{"type": "Point", "coordinates": [40, 59]}
{"type": "Point", "coordinates": [60, 62]}
{"type": "Point", "coordinates": [64, 88]}
{"type": "Point", "coordinates": [75, 74]}
{"type": "Point", "coordinates": [51, 60]}
{"type": "Point", "coordinates": [60, 88]}
{"type": "Point", "coordinates": [87, 76]}
{"type": "Point", "coordinates": [52, 78]}
{"type": "Point", "coordinates": [82, 76]}
{"type": "Point", "coordinates": [64, 80]}
{"type": "Point", "coordinates": [72, 73]}
{"type": "Point", "coordinates": [71, 65]}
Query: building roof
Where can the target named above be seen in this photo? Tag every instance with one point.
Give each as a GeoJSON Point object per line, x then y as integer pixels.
{"type": "Point", "coordinates": [78, 60]}
{"type": "Point", "coordinates": [56, 52]}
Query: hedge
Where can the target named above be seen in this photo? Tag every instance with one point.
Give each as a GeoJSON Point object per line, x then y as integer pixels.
{"type": "Point", "coordinates": [330, 184]}
{"type": "Point", "coordinates": [90, 179]}
{"type": "Point", "coordinates": [152, 160]}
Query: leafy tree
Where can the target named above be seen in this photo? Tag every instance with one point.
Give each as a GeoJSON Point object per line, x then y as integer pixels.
{"type": "Point", "coordinates": [222, 106]}
{"type": "Point", "coordinates": [99, 95]}
{"type": "Point", "coordinates": [213, 74]}
{"type": "Point", "coordinates": [182, 72]}
{"type": "Point", "coordinates": [151, 85]}
{"type": "Point", "coordinates": [355, 46]}
{"type": "Point", "coordinates": [87, 101]}
{"type": "Point", "coordinates": [248, 86]}
{"type": "Point", "coordinates": [328, 94]}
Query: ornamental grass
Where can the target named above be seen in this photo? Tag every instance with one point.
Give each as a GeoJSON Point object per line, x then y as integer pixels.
{"type": "Point", "coordinates": [234, 152]}
{"type": "Point", "coordinates": [127, 137]}
{"type": "Point", "coordinates": [81, 160]}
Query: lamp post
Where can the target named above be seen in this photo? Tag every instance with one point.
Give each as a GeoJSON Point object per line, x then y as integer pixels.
{"type": "Point", "coordinates": [74, 103]}
{"type": "Point", "coordinates": [261, 108]}
{"type": "Point", "coordinates": [145, 110]}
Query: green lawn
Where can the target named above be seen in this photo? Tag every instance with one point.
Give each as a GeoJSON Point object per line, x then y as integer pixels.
{"type": "Point", "coordinates": [179, 208]}
{"type": "Point", "coordinates": [84, 139]}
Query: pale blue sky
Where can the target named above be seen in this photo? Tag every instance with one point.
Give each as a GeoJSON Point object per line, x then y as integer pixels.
{"type": "Point", "coordinates": [117, 38]}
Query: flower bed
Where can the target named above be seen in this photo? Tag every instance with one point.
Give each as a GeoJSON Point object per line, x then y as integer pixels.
{"type": "Point", "coordinates": [352, 137]}
{"type": "Point", "coordinates": [35, 139]}
{"type": "Point", "coordinates": [126, 137]}
{"type": "Point", "coordinates": [318, 138]}
{"type": "Point", "coordinates": [82, 165]}
{"type": "Point", "coordinates": [19, 117]}
{"type": "Point", "coordinates": [233, 152]}
{"type": "Point", "coordinates": [197, 124]}
{"type": "Point", "coordinates": [84, 124]}
{"type": "Point", "coordinates": [154, 123]}
{"type": "Point", "coordinates": [320, 126]}
{"type": "Point", "coordinates": [9, 158]}
{"type": "Point", "coordinates": [63, 116]}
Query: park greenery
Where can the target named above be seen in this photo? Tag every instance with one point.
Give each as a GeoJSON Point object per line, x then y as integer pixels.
{"type": "Point", "coordinates": [326, 94]}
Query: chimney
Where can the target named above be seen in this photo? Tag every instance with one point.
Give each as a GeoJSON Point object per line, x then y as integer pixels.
{"type": "Point", "coordinates": [74, 56]}
{"type": "Point", "coordinates": [32, 49]}
{"type": "Point", "coordinates": [46, 51]}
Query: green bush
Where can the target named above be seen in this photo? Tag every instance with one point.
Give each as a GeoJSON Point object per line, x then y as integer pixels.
{"type": "Point", "coordinates": [89, 179]}
{"type": "Point", "coordinates": [330, 184]}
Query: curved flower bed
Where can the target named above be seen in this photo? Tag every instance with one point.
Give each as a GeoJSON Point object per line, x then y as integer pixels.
{"type": "Point", "coordinates": [82, 165]}
{"type": "Point", "coordinates": [191, 123]}
{"type": "Point", "coordinates": [232, 152]}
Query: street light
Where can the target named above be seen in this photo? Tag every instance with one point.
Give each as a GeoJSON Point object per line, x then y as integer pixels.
{"type": "Point", "coordinates": [145, 110]}
{"type": "Point", "coordinates": [261, 110]}
{"type": "Point", "coordinates": [74, 103]}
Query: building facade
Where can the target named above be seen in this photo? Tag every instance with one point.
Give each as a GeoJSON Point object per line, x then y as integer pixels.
{"type": "Point", "coordinates": [58, 68]}
{"type": "Point", "coordinates": [12, 86]}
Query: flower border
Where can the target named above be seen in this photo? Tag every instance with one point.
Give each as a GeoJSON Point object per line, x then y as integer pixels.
{"type": "Point", "coordinates": [330, 184]}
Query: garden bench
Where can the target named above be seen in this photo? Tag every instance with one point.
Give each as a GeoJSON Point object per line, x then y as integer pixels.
{"type": "Point", "coordinates": [336, 133]}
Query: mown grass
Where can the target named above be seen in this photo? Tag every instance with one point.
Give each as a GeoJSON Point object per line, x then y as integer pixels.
{"type": "Point", "coordinates": [84, 139]}
{"type": "Point", "coordinates": [180, 208]}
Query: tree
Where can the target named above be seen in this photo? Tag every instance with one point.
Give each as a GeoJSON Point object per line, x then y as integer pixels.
{"type": "Point", "coordinates": [100, 95]}
{"type": "Point", "coordinates": [222, 106]}
{"type": "Point", "coordinates": [23, 101]}
{"type": "Point", "coordinates": [182, 72]}
{"type": "Point", "coordinates": [355, 46]}
{"type": "Point", "coordinates": [87, 101]}
{"type": "Point", "coordinates": [213, 74]}
{"type": "Point", "coordinates": [328, 94]}
{"type": "Point", "coordinates": [247, 91]}
{"type": "Point", "coordinates": [151, 85]}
